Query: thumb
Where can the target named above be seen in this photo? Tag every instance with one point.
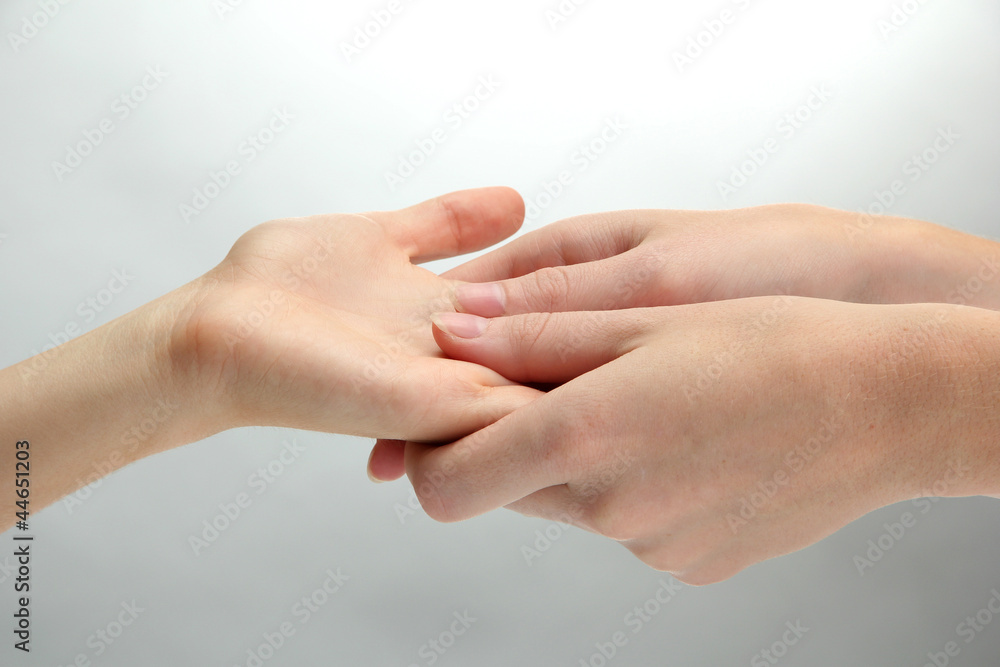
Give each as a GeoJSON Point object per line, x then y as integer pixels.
{"type": "Point", "coordinates": [385, 463]}
{"type": "Point", "coordinates": [455, 223]}
{"type": "Point", "coordinates": [541, 347]}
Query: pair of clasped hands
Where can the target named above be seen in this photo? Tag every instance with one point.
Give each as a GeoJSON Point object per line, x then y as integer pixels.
{"type": "Point", "coordinates": [711, 389]}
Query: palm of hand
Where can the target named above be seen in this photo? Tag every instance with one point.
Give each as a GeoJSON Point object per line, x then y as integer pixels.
{"type": "Point", "coordinates": [323, 323]}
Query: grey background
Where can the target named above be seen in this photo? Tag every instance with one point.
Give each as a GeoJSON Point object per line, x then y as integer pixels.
{"type": "Point", "coordinates": [687, 130]}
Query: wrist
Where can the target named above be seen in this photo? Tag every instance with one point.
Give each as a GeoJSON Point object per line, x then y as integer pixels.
{"type": "Point", "coordinates": [101, 401]}
{"type": "Point", "coordinates": [150, 396]}
{"type": "Point", "coordinates": [967, 361]}
{"type": "Point", "coordinates": [179, 369]}
{"type": "Point", "coordinates": [911, 261]}
{"type": "Point", "coordinates": [940, 377]}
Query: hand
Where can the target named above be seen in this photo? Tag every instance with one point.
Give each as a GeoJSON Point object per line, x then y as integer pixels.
{"type": "Point", "coordinates": [712, 436]}
{"type": "Point", "coordinates": [322, 323]}
{"type": "Point", "coordinates": [316, 323]}
{"type": "Point", "coordinates": [630, 259]}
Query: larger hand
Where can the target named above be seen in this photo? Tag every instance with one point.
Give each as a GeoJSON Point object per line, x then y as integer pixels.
{"type": "Point", "coordinates": [712, 436]}
{"type": "Point", "coordinates": [629, 259]}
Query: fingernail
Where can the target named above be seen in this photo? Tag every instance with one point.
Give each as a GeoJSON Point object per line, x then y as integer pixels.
{"type": "Point", "coordinates": [485, 299]}
{"type": "Point", "coordinates": [460, 325]}
{"type": "Point", "coordinates": [368, 469]}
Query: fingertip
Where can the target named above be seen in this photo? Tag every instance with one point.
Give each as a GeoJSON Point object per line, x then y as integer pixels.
{"type": "Point", "coordinates": [515, 207]}
{"type": "Point", "coordinates": [456, 223]}
{"type": "Point", "coordinates": [483, 299]}
{"type": "Point", "coordinates": [460, 325]}
{"type": "Point", "coordinates": [488, 215]}
{"type": "Point", "coordinates": [386, 462]}
{"type": "Point", "coordinates": [461, 348]}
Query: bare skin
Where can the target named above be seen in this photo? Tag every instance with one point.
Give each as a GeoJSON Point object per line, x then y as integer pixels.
{"type": "Point", "coordinates": [318, 323]}
{"type": "Point", "coordinates": [709, 436]}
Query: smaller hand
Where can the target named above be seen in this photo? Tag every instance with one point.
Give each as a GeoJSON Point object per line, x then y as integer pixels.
{"type": "Point", "coordinates": [322, 323]}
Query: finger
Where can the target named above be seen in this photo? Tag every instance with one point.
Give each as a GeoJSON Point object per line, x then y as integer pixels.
{"type": "Point", "coordinates": [629, 280]}
{"type": "Point", "coordinates": [385, 463]}
{"type": "Point", "coordinates": [441, 400]}
{"type": "Point", "coordinates": [455, 223]}
{"type": "Point", "coordinates": [542, 347]}
{"type": "Point", "coordinates": [491, 468]}
{"type": "Point", "coordinates": [572, 241]}
{"type": "Point", "coordinates": [554, 503]}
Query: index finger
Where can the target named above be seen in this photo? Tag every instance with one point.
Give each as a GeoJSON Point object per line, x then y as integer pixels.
{"type": "Point", "coordinates": [585, 238]}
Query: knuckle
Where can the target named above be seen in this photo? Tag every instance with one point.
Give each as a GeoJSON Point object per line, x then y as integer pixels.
{"type": "Point", "coordinates": [791, 210]}
{"type": "Point", "coordinates": [525, 332]}
{"type": "Point", "coordinates": [550, 289]}
{"type": "Point", "coordinates": [610, 518]}
{"type": "Point", "coordinates": [699, 577]}
{"type": "Point", "coordinates": [428, 484]}
{"type": "Point", "coordinates": [454, 220]}
{"type": "Point", "coordinates": [661, 556]}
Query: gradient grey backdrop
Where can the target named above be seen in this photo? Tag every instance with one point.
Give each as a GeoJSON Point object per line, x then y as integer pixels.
{"type": "Point", "coordinates": [687, 130]}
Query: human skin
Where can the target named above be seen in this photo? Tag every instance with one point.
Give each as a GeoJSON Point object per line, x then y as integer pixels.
{"type": "Point", "coordinates": [319, 323]}
{"type": "Point", "coordinates": [707, 437]}
{"type": "Point", "coordinates": [646, 258]}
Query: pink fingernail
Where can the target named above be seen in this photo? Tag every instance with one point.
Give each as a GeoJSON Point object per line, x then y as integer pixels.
{"type": "Point", "coordinates": [460, 325]}
{"type": "Point", "coordinates": [485, 299]}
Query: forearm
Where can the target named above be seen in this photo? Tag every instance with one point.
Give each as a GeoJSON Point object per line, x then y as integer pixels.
{"type": "Point", "coordinates": [920, 262]}
{"type": "Point", "coordinates": [95, 404]}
